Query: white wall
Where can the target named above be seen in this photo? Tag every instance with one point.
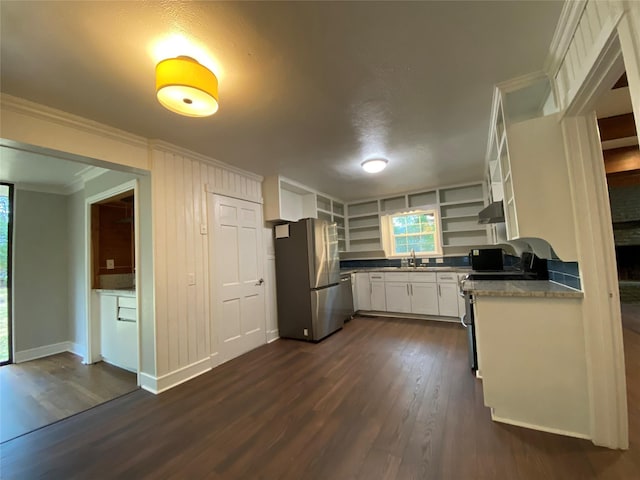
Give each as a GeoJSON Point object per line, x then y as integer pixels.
{"type": "Point", "coordinates": [40, 270]}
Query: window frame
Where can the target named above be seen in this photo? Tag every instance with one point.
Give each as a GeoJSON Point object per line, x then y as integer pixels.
{"type": "Point", "coordinates": [389, 238]}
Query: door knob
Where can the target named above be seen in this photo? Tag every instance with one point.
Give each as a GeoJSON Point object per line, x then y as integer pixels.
{"type": "Point", "coordinates": [260, 282]}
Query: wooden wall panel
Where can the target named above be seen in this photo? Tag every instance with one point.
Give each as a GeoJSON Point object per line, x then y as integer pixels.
{"type": "Point", "coordinates": [181, 254]}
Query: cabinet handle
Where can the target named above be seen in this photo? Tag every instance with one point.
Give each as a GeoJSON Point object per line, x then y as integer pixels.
{"type": "Point", "coordinates": [439, 291]}
{"type": "Point", "coordinates": [412, 289]}
{"type": "Point", "coordinates": [407, 289]}
{"type": "Point", "coordinates": [370, 289]}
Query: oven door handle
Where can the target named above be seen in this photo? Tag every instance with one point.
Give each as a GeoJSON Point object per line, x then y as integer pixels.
{"type": "Point", "coordinates": [460, 282]}
{"type": "Point", "coordinates": [462, 321]}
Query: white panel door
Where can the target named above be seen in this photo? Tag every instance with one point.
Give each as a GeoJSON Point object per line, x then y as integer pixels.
{"type": "Point", "coordinates": [448, 299]}
{"type": "Point", "coordinates": [238, 323]}
{"type": "Point", "coordinates": [378, 300]}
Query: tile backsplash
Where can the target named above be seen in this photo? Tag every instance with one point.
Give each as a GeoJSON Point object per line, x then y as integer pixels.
{"type": "Point", "coordinates": [461, 261]}
{"type": "Point", "coordinates": [565, 273]}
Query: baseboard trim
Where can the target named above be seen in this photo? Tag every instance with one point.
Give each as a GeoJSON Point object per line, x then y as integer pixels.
{"type": "Point", "coordinates": [413, 316]}
{"type": "Point", "coordinates": [164, 382]}
{"type": "Point", "coordinates": [43, 351]}
{"type": "Point", "coordinates": [272, 336]}
{"type": "Point", "coordinates": [541, 428]}
{"type": "Point", "coordinates": [77, 349]}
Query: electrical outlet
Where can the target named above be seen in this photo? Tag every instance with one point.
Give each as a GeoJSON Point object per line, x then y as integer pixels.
{"type": "Point", "coordinates": [439, 260]}
{"type": "Point", "coordinates": [203, 229]}
{"type": "Point", "coordinates": [111, 264]}
{"type": "Point", "coordinates": [306, 332]}
{"type": "Point", "coordinates": [191, 278]}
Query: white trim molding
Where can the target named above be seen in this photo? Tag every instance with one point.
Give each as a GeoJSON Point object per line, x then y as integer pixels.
{"type": "Point", "coordinates": [164, 382]}
{"type": "Point", "coordinates": [532, 426]}
{"type": "Point", "coordinates": [44, 351]}
{"type": "Point", "coordinates": [565, 29]}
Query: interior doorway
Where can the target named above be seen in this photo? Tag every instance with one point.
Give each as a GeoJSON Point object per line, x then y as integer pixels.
{"type": "Point", "coordinates": [6, 240]}
{"type": "Point", "coordinates": [621, 154]}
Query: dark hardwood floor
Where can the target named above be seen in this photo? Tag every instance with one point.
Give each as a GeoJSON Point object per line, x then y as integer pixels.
{"type": "Point", "coordinates": [381, 399]}
{"type": "Point", "coordinates": [36, 393]}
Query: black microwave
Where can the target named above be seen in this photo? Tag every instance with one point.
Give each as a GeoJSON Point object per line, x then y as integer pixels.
{"type": "Point", "coordinates": [487, 259]}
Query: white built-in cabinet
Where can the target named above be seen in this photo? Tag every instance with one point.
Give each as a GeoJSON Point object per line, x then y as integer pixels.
{"type": "Point", "coordinates": [527, 169]}
{"type": "Point", "coordinates": [458, 208]}
{"type": "Point", "coordinates": [420, 293]}
{"type": "Point", "coordinates": [118, 329]}
{"type": "Point", "coordinates": [286, 200]}
{"type": "Point", "coordinates": [377, 290]}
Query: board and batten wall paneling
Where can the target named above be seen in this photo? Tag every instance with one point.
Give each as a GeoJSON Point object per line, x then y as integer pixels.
{"type": "Point", "coordinates": [180, 183]}
{"type": "Point", "coordinates": [597, 23]}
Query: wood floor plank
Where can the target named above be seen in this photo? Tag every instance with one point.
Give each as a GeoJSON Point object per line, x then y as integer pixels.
{"type": "Point", "coordinates": [381, 399]}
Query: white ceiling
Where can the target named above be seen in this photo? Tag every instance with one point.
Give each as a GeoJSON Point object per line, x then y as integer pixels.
{"type": "Point", "coordinates": [32, 171]}
{"type": "Point", "coordinates": [307, 89]}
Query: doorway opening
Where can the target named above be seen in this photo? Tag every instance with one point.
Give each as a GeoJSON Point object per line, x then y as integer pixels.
{"type": "Point", "coordinates": [6, 234]}
{"type": "Point", "coordinates": [621, 154]}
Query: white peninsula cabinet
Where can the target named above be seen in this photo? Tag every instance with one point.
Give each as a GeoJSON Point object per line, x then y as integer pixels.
{"type": "Point", "coordinates": [448, 294]}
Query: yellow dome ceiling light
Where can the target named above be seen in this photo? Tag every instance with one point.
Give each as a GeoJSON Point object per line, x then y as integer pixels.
{"type": "Point", "coordinates": [186, 87]}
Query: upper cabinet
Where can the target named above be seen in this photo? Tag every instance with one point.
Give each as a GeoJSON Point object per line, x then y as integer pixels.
{"type": "Point", "coordinates": [527, 169]}
{"type": "Point", "coordinates": [289, 201]}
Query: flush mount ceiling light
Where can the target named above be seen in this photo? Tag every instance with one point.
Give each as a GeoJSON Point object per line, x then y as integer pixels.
{"type": "Point", "coordinates": [186, 87]}
{"type": "Point", "coordinates": [374, 165]}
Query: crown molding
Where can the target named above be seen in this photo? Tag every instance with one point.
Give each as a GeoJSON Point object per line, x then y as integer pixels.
{"type": "Point", "coordinates": [35, 187]}
{"type": "Point", "coordinates": [36, 110]}
{"type": "Point", "coordinates": [170, 148]}
{"type": "Point", "coordinates": [565, 29]}
{"type": "Point", "coordinates": [522, 81]}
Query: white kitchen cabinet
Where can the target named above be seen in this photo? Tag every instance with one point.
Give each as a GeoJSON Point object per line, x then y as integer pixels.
{"type": "Point", "coordinates": [448, 299]}
{"type": "Point", "coordinates": [397, 296]}
{"type": "Point", "coordinates": [363, 292]}
{"type": "Point", "coordinates": [424, 298]}
{"type": "Point", "coordinates": [118, 330]}
{"type": "Point", "coordinates": [378, 296]}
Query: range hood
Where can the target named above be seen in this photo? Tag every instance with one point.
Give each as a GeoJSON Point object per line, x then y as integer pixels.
{"type": "Point", "coordinates": [492, 213]}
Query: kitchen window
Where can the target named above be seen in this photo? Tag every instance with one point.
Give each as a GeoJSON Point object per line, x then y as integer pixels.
{"type": "Point", "coordinates": [416, 230]}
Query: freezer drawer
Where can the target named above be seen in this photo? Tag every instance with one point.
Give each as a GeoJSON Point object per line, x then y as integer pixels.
{"type": "Point", "coordinates": [327, 311]}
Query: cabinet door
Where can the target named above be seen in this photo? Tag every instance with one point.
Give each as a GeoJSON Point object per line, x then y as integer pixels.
{"type": "Point", "coordinates": [448, 299]}
{"type": "Point", "coordinates": [363, 292]}
{"type": "Point", "coordinates": [397, 295]}
{"type": "Point", "coordinates": [378, 300]}
{"type": "Point", "coordinates": [108, 327]}
{"type": "Point", "coordinates": [424, 298]}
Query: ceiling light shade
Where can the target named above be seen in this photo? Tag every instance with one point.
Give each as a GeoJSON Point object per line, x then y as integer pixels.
{"type": "Point", "coordinates": [186, 87]}
{"type": "Point", "coordinates": [374, 165]}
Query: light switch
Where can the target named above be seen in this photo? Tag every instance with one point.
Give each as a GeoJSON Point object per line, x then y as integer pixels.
{"type": "Point", "coordinates": [439, 260]}
{"type": "Point", "coordinates": [111, 264]}
{"type": "Point", "coordinates": [191, 278]}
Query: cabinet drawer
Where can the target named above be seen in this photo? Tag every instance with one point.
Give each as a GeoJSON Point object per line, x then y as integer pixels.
{"type": "Point", "coordinates": [396, 277]}
{"type": "Point", "coordinates": [450, 277]}
{"type": "Point", "coordinates": [127, 302]}
{"type": "Point", "coordinates": [429, 277]}
{"type": "Point", "coordinates": [376, 277]}
{"type": "Point", "coordinates": [127, 314]}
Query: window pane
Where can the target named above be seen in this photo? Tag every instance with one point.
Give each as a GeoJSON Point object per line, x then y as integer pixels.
{"type": "Point", "coordinates": [399, 230]}
{"type": "Point", "coordinates": [401, 241]}
{"type": "Point", "coordinates": [413, 219]}
{"type": "Point", "coordinates": [399, 221]}
{"type": "Point", "coordinates": [401, 249]}
{"type": "Point", "coordinates": [413, 228]}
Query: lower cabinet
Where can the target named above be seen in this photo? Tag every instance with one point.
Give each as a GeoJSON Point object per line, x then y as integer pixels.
{"type": "Point", "coordinates": [378, 297]}
{"type": "Point", "coordinates": [448, 299]}
{"type": "Point", "coordinates": [422, 293]}
{"type": "Point", "coordinates": [118, 331]}
{"type": "Point", "coordinates": [362, 297]}
{"type": "Point", "coordinates": [424, 300]}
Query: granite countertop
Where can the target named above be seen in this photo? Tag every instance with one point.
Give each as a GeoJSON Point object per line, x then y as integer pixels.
{"type": "Point", "coordinates": [520, 288]}
{"type": "Point", "coordinates": [406, 269]}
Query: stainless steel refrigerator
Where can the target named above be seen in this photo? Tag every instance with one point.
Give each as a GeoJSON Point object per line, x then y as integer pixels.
{"type": "Point", "coordinates": [311, 304]}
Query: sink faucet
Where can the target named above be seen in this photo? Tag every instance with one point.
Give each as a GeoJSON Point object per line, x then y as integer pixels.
{"type": "Point", "coordinates": [412, 261]}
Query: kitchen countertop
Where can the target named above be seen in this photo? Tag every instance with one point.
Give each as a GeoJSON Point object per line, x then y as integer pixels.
{"type": "Point", "coordinates": [520, 288]}
{"type": "Point", "coordinates": [406, 269]}
{"type": "Point", "coordinates": [123, 292]}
